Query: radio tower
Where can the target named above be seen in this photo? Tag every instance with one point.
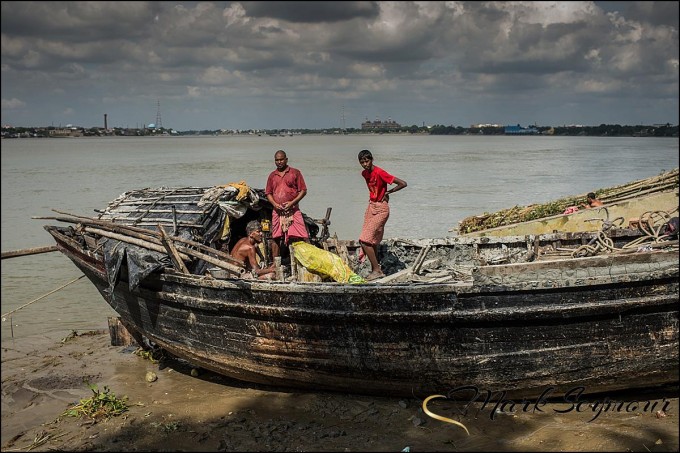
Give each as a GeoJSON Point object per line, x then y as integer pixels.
{"type": "Point", "coordinates": [159, 121]}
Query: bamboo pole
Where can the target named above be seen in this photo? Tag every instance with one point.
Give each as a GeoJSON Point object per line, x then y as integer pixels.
{"type": "Point", "coordinates": [31, 251]}
{"type": "Point", "coordinates": [131, 240]}
{"type": "Point", "coordinates": [217, 262]}
{"type": "Point", "coordinates": [125, 228]}
{"type": "Point", "coordinates": [183, 251]}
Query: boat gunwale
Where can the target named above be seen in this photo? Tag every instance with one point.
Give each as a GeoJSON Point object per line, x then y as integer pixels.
{"type": "Point", "coordinates": [74, 249]}
{"type": "Point", "coordinates": [436, 287]}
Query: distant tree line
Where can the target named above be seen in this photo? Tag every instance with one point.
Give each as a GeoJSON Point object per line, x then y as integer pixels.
{"type": "Point", "coordinates": [603, 130]}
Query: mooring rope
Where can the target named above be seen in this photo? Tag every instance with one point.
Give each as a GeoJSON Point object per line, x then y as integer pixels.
{"type": "Point", "coordinates": [4, 317]}
{"type": "Point", "coordinates": [648, 224]}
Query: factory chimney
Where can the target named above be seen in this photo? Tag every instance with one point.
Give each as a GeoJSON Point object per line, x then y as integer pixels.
{"type": "Point", "coordinates": [106, 125]}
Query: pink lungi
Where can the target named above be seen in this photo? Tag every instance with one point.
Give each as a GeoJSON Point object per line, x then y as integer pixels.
{"type": "Point", "coordinates": [375, 218]}
{"type": "Point", "coordinates": [296, 229]}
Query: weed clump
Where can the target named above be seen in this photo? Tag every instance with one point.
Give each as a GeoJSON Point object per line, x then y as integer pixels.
{"type": "Point", "coordinates": [102, 405]}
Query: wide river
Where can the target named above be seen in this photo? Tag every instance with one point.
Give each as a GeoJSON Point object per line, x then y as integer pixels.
{"type": "Point", "coordinates": [449, 178]}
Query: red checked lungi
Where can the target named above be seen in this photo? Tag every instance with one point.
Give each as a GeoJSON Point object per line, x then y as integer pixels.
{"type": "Point", "coordinates": [375, 218]}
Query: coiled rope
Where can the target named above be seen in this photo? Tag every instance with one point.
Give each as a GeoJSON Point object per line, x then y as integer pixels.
{"type": "Point", "coordinates": [650, 224]}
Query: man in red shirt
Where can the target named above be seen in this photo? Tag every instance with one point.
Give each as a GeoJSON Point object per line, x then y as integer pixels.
{"type": "Point", "coordinates": [378, 209]}
{"type": "Point", "coordinates": [285, 188]}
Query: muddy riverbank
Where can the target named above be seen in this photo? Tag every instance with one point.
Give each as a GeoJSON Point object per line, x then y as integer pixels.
{"type": "Point", "coordinates": [43, 375]}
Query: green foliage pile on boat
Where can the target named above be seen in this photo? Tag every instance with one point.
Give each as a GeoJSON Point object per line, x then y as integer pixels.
{"type": "Point", "coordinates": [517, 214]}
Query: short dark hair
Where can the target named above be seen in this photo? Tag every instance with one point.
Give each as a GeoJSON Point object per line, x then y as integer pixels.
{"type": "Point", "coordinates": [253, 225]}
{"type": "Point", "coordinates": [364, 153]}
{"type": "Point", "coordinates": [591, 195]}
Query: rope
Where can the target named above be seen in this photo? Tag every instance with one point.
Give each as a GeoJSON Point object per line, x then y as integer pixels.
{"type": "Point", "coordinates": [41, 297]}
{"type": "Point", "coordinates": [650, 223]}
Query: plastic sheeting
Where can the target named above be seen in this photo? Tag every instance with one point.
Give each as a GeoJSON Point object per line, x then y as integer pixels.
{"type": "Point", "coordinates": [140, 262]}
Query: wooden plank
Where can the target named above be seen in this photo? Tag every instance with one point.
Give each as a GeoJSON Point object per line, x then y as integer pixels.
{"type": "Point", "coordinates": [31, 251]}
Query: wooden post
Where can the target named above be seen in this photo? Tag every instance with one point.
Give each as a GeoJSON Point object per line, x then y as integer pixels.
{"type": "Point", "coordinates": [293, 263]}
{"type": "Point", "coordinates": [174, 220]}
{"type": "Point", "coordinates": [325, 222]}
{"type": "Point", "coordinates": [120, 335]}
{"type": "Point", "coordinates": [279, 268]}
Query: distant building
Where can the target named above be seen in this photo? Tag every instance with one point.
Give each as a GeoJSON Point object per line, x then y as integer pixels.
{"type": "Point", "coordinates": [480, 126]}
{"type": "Point", "coordinates": [377, 124]}
{"type": "Point", "coordinates": [68, 131]}
{"type": "Point", "coordinates": [519, 130]}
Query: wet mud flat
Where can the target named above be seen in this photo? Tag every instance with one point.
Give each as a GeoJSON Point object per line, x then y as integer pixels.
{"type": "Point", "coordinates": [183, 410]}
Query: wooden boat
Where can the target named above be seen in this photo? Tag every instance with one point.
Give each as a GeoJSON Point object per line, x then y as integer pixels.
{"type": "Point", "coordinates": [646, 200]}
{"type": "Point", "coordinates": [519, 314]}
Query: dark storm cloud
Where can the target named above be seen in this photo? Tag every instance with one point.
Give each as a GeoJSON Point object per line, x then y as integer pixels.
{"type": "Point", "coordinates": [78, 21]}
{"type": "Point", "coordinates": [214, 64]}
{"type": "Point", "coordinates": [653, 13]}
{"type": "Point", "coordinates": [313, 11]}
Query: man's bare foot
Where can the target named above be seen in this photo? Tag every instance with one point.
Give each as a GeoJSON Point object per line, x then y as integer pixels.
{"type": "Point", "coordinates": [375, 275]}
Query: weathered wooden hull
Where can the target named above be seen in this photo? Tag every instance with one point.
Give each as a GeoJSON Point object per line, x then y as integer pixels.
{"type": "Point", "coordinates": [605, 323]}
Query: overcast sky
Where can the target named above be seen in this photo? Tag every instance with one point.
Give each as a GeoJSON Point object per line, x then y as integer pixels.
{"type": "Point", "coordinates": [250, 65]}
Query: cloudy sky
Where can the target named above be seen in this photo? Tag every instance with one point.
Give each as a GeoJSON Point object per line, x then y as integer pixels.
{"type": "Point", "coordinates": [242, 65]}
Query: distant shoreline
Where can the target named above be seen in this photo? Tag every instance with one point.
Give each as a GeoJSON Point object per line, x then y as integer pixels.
{"type": "Point", "coordinates": [603, 130]}
{"type": "Point", "coordinates": [320, 134]}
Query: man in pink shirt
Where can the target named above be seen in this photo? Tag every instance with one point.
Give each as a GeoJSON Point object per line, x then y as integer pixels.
{"type": "Point", "coordinates": [378, 209]}
{"type": "Point", "coordinates": [285, 188]}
